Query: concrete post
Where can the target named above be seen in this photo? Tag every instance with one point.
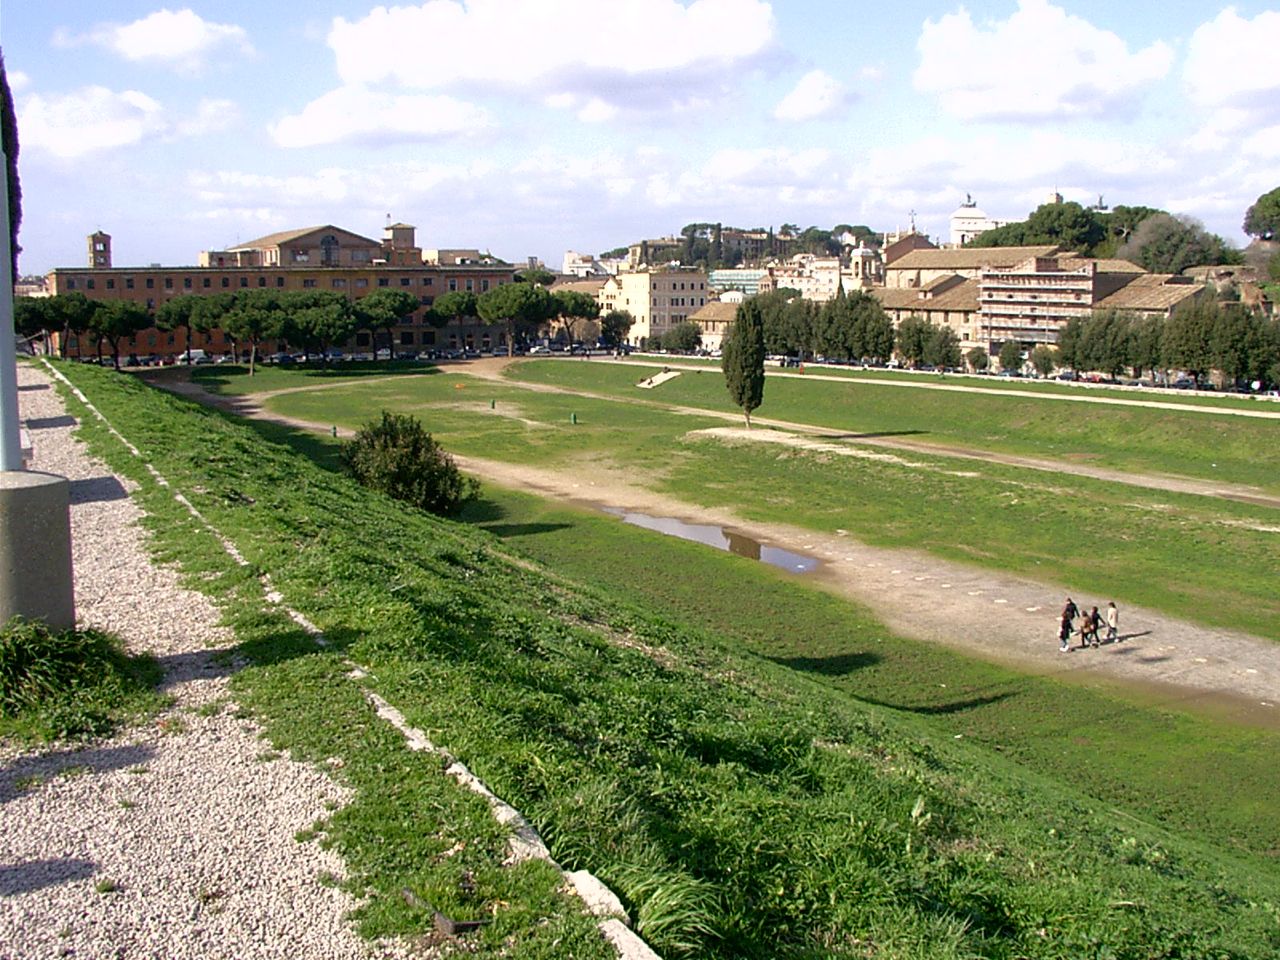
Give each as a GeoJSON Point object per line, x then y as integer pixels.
{"type": "Point", "coordinates": [35, 548]}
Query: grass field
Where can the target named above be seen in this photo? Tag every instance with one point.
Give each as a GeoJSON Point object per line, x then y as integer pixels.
{"type": "Point", "coordinates": [1197, 558]}
{"type": "Point", "coordinates": [743, 807]}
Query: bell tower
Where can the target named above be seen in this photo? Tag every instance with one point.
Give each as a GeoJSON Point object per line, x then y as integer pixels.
{"type": "Point", "coordinates": [100, 250]}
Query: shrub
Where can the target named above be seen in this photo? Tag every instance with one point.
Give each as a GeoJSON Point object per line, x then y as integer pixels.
{"type": "Point", "coordinates": [400, 458]}
{"type": "Point", "coordinates": [74, 683]}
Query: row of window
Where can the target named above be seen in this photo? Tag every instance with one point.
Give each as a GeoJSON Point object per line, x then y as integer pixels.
{"type": "Point", "coordinates": [692, 285]}
{"type": "Point", "coordinates": [338, 283]}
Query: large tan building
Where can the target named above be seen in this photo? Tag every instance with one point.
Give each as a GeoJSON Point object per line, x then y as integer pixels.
{"type": "Point", "coordinates": [657, 298]}
{"type": "Point", "coordinates": [315, 258]}
{"type": "Point", "coordinates": [919, 268]}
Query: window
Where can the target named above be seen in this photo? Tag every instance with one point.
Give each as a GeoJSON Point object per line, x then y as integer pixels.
{"type": "Point", "coordinates": [111, 284]}
{"type": "Point", "coordinates": [279, 281]}
{"type": "Point", "coordinates": [361, 283]}
{"type": "Point", "coordinates": [262, 281]}
{"type": "Point", "coordinates": [244, 281]}
{"type": "Point", "coordinates": [484, 286]}
{"type": "Point", "coordinates": [204, 282]}
{"type": "Point", "coordinates": [308, 284]}
{"type": "Point", "coordinates": [226, 282]}
{"type": "Point", "coordinates": [299, 256]}
{"type": "Point", "coordinates": [471, 285]}
{"type": "Point", "coordinates": [384, 281]}
{"type": "Point", "coordinates": [428, 281]}
{"type": "Point", "coordinates": [339, 283]}
{"type": "Point", "coordinates": [406, 281]}
{"type": "Point", "coordinates": [406, 338]}
{"type": "Point", "coordinates": [89, 283]}
{"type": "Point", "coordinates": [426, 301]}
{"type": "Point", "coordinates": [186, 283]}
{"type": "Point", "coordinates": [151, 303]}
{"type": "Point", "coordinates": [453, 284]}
{"type": "Point", "coordinates": [71, 284]}
{"type": "Point", "coordinates": [151, 283]}
{"type": "Point", "coordinates": [128, 283]}
{"type": "Point", "coordinates": [168, 283]}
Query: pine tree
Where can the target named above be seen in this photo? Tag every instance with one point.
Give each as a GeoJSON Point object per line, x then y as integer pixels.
{"type": "Point", "coordinates": [743, 358]}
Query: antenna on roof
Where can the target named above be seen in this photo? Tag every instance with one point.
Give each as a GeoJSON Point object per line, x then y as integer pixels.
{"type": "Point", "coordinates": [912, 215]}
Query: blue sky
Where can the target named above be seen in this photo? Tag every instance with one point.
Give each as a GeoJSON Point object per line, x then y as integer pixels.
{"type": "Point", "coordinates": [528, 127]}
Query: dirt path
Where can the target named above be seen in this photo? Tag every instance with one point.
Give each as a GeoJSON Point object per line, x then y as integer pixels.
{"type": "Point", "coordinates": [922, 596]}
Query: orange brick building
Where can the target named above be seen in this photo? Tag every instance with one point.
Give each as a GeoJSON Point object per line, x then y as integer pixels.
{"type": "Point", "coordinates": [319, 258]}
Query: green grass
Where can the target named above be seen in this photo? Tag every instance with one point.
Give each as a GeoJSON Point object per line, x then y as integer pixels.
{"type": "Point", "coordinates": [234, 379]}
{"type": "Point", "coordinates": [73, 684]}
{"type": "Point", "coordinates": [1178, 768]}
{"type": "Point", "coordinates": [1197, 558]}
{"type": "Point", "coordinates": [1221, 448]}
{"type": "Point", "coordinates": [742, 807]}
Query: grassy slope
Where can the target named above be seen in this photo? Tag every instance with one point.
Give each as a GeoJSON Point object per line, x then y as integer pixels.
{"type": "Point", "coordinates": [715, 789]}
{"type": "Point", "coordinates": [1200, 559]}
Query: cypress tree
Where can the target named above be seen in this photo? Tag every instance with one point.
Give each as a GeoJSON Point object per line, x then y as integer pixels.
{"type": "Point", "coordinates": [743, 358]}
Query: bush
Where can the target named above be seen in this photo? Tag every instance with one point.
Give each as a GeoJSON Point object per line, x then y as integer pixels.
{"type": "Point", "coordinates": [75, 683]}
{"type": "Point", "coordinates": [400, 458]}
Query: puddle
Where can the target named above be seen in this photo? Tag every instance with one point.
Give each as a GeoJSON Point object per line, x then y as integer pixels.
{"type": "Point", "coordinates": [721, 539]}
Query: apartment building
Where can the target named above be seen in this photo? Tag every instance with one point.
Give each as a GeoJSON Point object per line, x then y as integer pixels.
{"type": "Point", "coordinates": [657, 298]}
{"type": "Point", "coordinates": [313, 258]}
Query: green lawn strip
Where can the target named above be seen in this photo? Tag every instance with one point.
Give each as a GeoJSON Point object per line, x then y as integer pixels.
{"type": "Point", "coordinates": [74, 684]}
{"type": "Point", "coordinates": [1226, 449]}
{"type": "Point", "coordinates": [742, 809]}
{"type": "Point", "coordinates": [1199, 559]}
{"type": "Point", "coordinates": [1032, 387]}
{"type": "Point", "coordinates": [233, 379]}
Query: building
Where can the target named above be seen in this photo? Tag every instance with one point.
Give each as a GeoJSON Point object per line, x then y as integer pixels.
{"type": "Point", "coordinates": [1030, 299]}
{"type": "Point", "coordinates": [714, 319]}
{"type": "Point", "coordinates": [920, 267]}
{"type": "Point", "coordinates": [313, 258]}
{"type": "Point", "coordinates": [748, 280]}
{"type": "Point", "coordinates": [656, 297]}
{"type": "Point", "coordinates": [815, 278]}
{"type": "Point", "coordinates": [968, 221]}
{"type": "Point", "coordinates": [584, 265]}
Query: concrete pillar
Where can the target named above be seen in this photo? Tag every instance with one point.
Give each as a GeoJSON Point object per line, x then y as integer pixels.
{"type": "Point", "coordinates": [35, 548]}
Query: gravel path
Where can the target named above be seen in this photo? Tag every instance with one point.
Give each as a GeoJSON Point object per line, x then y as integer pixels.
{"type": "Point", "coordinates": [175, 839]}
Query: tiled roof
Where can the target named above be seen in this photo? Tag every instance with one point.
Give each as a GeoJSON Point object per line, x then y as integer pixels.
{"type": "Point", "coordinates": [963, 296]}
{"type": "Point", "coordinates": [968, 258]}
{"type": "Point", "coordinates": [1150, 291]}
{"type": "Point", "coordinates": [715, 310]}
{"type": "Point", "coordinates": [588, 285]}
{"type": "Point", "coordinates": [286, 236]}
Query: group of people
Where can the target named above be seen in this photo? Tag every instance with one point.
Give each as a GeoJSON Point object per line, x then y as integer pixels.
{"type": "Point", "coordinates": [1091, 625]}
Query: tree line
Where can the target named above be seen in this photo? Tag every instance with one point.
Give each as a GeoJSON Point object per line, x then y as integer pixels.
{"type": "Point", "coordinates": [312, 320]}
{"type": "Point", "coordinates": [1204, 338]}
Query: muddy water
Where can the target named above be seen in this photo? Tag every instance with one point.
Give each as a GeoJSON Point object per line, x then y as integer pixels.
{"type": "Point", "coordinates": [722, 538]}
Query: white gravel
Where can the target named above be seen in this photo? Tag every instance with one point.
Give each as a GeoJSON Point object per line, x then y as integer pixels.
{"type": "Point", "coordinates": [175, 839]}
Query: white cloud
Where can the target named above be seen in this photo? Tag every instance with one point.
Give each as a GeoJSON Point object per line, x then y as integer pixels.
{"type": "Point", "coordinates": [1228, 61]}
{"type": "Point", "coordinates": [355, 114]}
{"type": "Point", "coordinates": [1039, 63]}
{"type": "Point", "coordinates": [817, 94]}
{"type": "Point", "coordinates": [93, 119]}
{"type": "Point", "coordinates": [178, 38]}
{"type": "Point", "coordinates": [597, 111]}
{"type": "Point", "coordinates": [18, 81]}
{"type": "Point", "coordinates": [88, 120]}
{"type": "Point", "coordinates": [550, 46]}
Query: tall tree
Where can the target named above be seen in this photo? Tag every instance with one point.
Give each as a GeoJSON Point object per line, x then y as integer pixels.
{"type": "Point", "coordinates": [255, 316]}
{"type": "Point", "coordinates": [913, 334]}
{"type": "Point", "coordinates": [178, 314]}
{"type": "Point", "coordinates": [1145, 352]}
{"type": "Point", "coordinates": [1262, 219]}
{"type": "Point", "coordinates": [9, 138]}
{"type": "Point", "coordinates": [1043, 359]}
{"type": "Point", "coordinates": [113, 320]}
{"type": "Point", "coordinates": [742, 359]}
{"type": "Point", "coordinates": [384, 309]}
{"type": "Point", "coordinates": [1188, 335]}
{"type": "Point", "coordinates": [614, 327]}
{"type": "Point", "coordinates": [321, 317]}
{"type": "Point", "coordinates": [942, 348]}
{"type": "Point", "coordinates": [572, 306]}
{"type": "Point", "coordinates": [34, 318]}
{"type": "Point", "coordinates": [521, 307]}
{"type": "Point", "coordinates": [1165, 244]}
{"type": "Point", "coordinates": [978, 359]}
{"type": "Point", "coordinates": [208, 312]}
{"type": "Point", "coordinates": [73, 312]}
{"type": "Point", "coordinates": [1011, 356]}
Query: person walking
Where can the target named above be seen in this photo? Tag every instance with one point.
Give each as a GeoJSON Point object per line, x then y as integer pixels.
{"type": "Point", "coordinates": [1113, 623]}
{"type": "Point", "coordinates": [1064, 634]}
{"type": "Point", "coordinates": [1091, 627]}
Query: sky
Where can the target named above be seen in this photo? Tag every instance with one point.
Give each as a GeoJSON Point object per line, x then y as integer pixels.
{"type": "Point", "coordinates": [531, 127]}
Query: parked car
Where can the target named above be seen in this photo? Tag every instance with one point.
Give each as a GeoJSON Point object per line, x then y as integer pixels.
{"type": "Point", "coordinates": [539, 348]}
